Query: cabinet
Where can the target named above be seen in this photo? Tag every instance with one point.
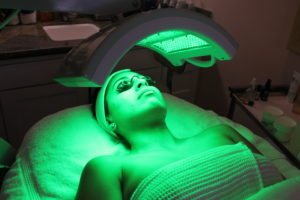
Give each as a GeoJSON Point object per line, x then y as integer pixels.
{"type": "Point", "coordinates": [24, 107]}
{"type": "Point", "coordinates": [28, 92]}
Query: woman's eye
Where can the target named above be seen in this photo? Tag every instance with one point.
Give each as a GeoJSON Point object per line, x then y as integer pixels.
{"type": "Point", "coordinates": [150, 81]}
{"type": "Point", "coordinates": [123, 85]}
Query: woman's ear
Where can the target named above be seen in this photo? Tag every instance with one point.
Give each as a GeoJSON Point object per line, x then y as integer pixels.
{"type": "Point", "coordinates": [111, 123]}
{"type": "Point", "coordinates": [109, 119]}
{"type": "Point", "coordinates": [113, 126]}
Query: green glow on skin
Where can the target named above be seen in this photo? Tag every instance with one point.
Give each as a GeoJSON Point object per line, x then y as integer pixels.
{"type": "Point", "coordinates": [126, 104]}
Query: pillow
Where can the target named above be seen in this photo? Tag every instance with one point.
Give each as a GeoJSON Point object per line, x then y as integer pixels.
{"type": "Point", "coordinates": [185, 119]}
{"type": "Point", "coordinates": [53, 154]}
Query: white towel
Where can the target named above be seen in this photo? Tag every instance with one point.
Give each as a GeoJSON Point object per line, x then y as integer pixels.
{"type": "Point", "coordinates": [226, 172]}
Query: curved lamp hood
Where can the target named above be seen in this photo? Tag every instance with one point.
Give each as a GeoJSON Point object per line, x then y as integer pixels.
{"type": "Point", "coordinates": [178, 35]}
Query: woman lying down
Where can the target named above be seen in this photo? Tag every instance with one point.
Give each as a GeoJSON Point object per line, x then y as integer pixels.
{"type": "Point", "coordinates": [215, 164]}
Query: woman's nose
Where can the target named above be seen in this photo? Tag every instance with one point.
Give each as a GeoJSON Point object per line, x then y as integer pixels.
{"type": "Point", "coordinates": [139, 82]}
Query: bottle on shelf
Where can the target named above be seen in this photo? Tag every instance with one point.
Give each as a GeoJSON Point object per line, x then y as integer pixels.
{"type": "Point", "coordinates": [264, 93]}
{"type": "Point", "coordinates": [296, 105]}
{"type": "Point", "coordinates": [293, 87]}
{"type": "Point", "coordinates": [250, 94]}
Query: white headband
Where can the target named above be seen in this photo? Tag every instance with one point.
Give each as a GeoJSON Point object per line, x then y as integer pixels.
{"type": "Point", "coordinates": [100, 104]}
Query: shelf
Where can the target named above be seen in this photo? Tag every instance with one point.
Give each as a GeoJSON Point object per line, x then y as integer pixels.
{"type": "Point", "coordinates": [279, 99]}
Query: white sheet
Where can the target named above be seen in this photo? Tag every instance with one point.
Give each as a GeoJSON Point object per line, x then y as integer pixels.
{"type": "Point", "coordinates": [56, 149]}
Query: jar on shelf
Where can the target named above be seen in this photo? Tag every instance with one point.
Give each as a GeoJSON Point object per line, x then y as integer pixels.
{"type": "Point", "coordinates": [28, 16]}
{"type": "Point", "coordinates": [296, 104]}
{"type": "Point", "coordinates": [293, 87]}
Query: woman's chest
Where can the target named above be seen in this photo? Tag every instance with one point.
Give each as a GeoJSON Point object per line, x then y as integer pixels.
{"type": "Point", "coordinates": [136, 168]}
{"type": "Point", "coordinates": [205, 141]}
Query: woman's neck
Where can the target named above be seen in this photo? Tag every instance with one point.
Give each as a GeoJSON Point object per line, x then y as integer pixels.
{"type": "Point", "coordinates": [153, 139]}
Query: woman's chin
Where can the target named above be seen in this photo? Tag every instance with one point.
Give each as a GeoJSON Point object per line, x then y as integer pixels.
{"type": "Point", "coordinates": [153, 105]}
{"type": "Point", "coordinates": [153, 100]}
{"type": "Point", "coordinates": [157, 112]}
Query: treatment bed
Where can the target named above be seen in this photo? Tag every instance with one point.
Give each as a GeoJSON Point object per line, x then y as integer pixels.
{"type": "Point", "coordinates": [54, 151]}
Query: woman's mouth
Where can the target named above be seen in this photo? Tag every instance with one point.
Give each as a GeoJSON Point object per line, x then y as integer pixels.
{"type": "Point", "coordinates": [145, 92]}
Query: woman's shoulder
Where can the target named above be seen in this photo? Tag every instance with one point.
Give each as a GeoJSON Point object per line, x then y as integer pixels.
{"type": "Point", "coordinates": [105, 161]}
{"type": "Point", "coordinates": [101, 177]}
{"type": "Point", "coordinates": [104, 168]}
{"type": "Point", "coordinates": [227, 133]}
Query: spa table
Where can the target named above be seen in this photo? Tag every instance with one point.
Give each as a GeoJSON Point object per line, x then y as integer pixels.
{"type": "Point", "coordinates": [276, 98]}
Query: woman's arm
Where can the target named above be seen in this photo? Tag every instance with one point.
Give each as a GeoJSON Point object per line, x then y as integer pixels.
{"type": "Point", "coordinates": [286, 190]}
{"type": "Point", "coordinates": [101, 179]}
{"type": "Point", "coordinates": [236, 137]}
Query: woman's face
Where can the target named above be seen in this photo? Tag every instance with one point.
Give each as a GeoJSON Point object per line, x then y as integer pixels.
{"type": "Point", "coordinates": [132, 100]}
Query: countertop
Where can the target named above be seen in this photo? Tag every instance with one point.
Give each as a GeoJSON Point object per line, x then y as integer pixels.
{"type": "Point", "coordinates": [31, 40]}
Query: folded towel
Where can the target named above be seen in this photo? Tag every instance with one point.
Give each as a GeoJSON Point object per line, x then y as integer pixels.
{"type": "Point", "coordinates": [226, 172]}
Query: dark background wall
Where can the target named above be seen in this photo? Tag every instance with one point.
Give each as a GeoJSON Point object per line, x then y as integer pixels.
{"type": "Point", "coordinates": [262, 29]}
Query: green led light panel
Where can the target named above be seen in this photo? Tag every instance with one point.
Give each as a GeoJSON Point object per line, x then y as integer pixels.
{"type": "Point", "coordinates": [181, 43]}
{"type": "Point", "coordinates": [173, 41]}
{"type": "Point", "coordinates": [161, 36]}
